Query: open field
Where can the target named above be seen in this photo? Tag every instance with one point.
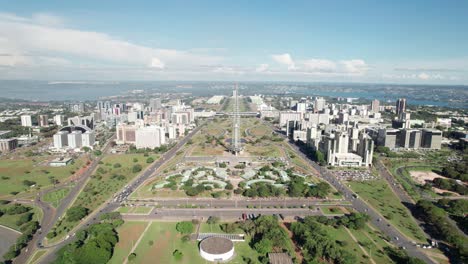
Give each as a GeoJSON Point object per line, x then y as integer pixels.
{"type": "Point", "coordinates": [378, 194]}
{"type": "Point", "coordinates": [105, 181]}
{"type": "Point", "coordinates": [331, 210]}
{"type": "Point", "coordinates": [165, 240]}
{"type": "Point", "coordinates": [55, 197]}
{"type": "Point", "coordinates": [422, 177]}
{"type": "Point", "coordinates": [243, 105]}
{"type": "Point", "coordinates": [129, 233]}
{"type": "Point", "coordinates": [13, 173]}
{"type": "Point", "coordinates": [10, 220]}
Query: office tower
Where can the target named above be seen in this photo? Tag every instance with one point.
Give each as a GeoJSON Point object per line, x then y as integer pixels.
{"type": "Point", "coordinates": [8, 144]}
{"type": "Point", "coordinates": [343, 117]}
{"type": "Point", "coordinates": [74, 139]}
{"type": "Point", "coordinates": [431, 138]}
{"type": "Point", "coordinates": [125, 134]}
{"type": "Point", "coordinates": [155, 104]}
{"type": "Point", "coordinates": [43, 121]}
{"type": "Point", "coordinates": [301, 107]}
{"type": "Point", "coordinates": [77, 107]}
{"type": "Point", "coordinates": [88, 138]}
{"type": "Point", "coordinates": [61, 139]}
{"type": "Point", "coordinates": [58, 120]}
{"type": "Point", "coordinates": [150, 137]}
{"type": "Point", "coordinates": [319, 104]}
{"type": "Point", "coordinates": [365, 149]}
{"type": "Point", "coordinates": [375, 106]}
{"type": "Point", "coordinates": [400, 107]}
{"type": "Point", "coordinates": [26, 121]}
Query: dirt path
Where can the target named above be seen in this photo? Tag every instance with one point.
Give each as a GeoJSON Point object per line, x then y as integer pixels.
{"type": "Point", "coordinates": [355, 240]}
{"type": "Point", "coordinates": [138, 241]}
{"type": "Point", "coordinates": [297, 250]}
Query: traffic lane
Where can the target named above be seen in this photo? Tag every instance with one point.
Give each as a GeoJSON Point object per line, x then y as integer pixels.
{"type": "Point", "coordinates": [223, 214]}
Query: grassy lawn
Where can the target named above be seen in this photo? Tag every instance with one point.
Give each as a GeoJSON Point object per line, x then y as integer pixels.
{"type": "Point", "coordinates": [134, 210]}
{"type": "Point", "coordinates": [371, 244]}
{"type": "Point", "coordinates": [14, 171]}
{"type": "Point", "coordinates": [331, 210]}
{"type": "Point", "coordinates": [10, 220]}
{"type": "Point", "coordinates": [264, 151]}
{"type": "Point", "coordinates": [347, 243]}
{"type": "Point", "coordinates": [166, 239]}
{"type": "Point", "coordinates": [129, 233]}
{"type": "Point", "coordinates": [380, 196]}
{"type": "Point", "coordinates": [106, 180]}
{"type": "Point", "coordinates": [56, 196]}
{"type": "Point", "coordinates": [36, 256]}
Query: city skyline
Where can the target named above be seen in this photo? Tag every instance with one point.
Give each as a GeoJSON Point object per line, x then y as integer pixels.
{"type": "Point", "coordinates": [398, 42]}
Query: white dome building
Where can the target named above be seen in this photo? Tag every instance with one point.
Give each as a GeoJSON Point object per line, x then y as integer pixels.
{"type": "Point", "coordinates": [216, 249]}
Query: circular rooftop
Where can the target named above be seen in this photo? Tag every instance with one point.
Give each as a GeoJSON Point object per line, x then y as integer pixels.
{"type": "Point", "coordinates": [216, 248]}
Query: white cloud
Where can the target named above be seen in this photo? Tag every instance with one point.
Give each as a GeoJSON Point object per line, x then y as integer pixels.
{"type": "Point", "coordinates": [314, 66]}
{"type": "Point", "coordinates": [319, 65]}
{"type": "Point", "coordinates": [285, 59]}
{"type": "Point", "coordinates": [424, 76]}
{"type": "Point", "coordinates": [156, 63]}
{"type": "Point", "coordinates": [262, 67]}
{"type": "Point", "coordinates": [40, 36]}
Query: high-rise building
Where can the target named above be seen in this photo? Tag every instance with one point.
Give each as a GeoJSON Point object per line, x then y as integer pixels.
{"type": "Point", "coordinates": [88, 138]}
{"type": "Point", "coordinates": [365, 149]}
{"type": "Point", "coordinates": [319, 104]}
{"type": "Point", "coordinates": [155, 104]}
{"type": "Point", "coordinates": [126, 134]}
{"type": "Point", "coordinates": [431, 138]}
{"type": "Point", "coordinates": [375, 106]}
{"type": "Point", "coordinates": [58, 120]}
{"type": "Point", "coordinates": [400, 107]}
{"type": "Point", "coordinates": [61, 139]}
{"type": "Point", "coordinates": [150, 137]}
{"type": "Point", "coordinates": [301, 107]}
{"type": "Point", "coordinates": [74, 139]}
{"type": "Point", "coordinates": [8, 144]}
{"type": "Point", "coordinates": [77, 107]}
{"type": "Point", "coordinates": [43, 121]}
{"type": "Point", "coordinates": [26, 121]}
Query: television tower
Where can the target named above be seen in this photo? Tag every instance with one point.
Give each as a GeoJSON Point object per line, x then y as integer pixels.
{"type": "Point", "coordinates": [235, 142]}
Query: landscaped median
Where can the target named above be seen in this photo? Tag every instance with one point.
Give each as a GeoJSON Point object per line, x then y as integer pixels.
{"type": "Point", "coordinates": [378, 194]}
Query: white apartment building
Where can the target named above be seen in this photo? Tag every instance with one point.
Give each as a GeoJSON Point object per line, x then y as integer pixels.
{"type": "Point", "coordinates": [26, 121]}
{"type": "Point", "coordinates": [150, 137]}
{"type": "Point", "coordinates": [58, 120]}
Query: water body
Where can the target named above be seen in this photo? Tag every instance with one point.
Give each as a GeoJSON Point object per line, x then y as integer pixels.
{"type": "Point", "coordinates": [450, 96]}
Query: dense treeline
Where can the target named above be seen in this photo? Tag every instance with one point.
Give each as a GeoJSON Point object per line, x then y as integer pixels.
{"type": "Point", "coordinates": [457, 210]}
{"type": "Point", "coordinates": [450, 185]}
{"type": "Point", "coordinates": [352, 220]}
{"type": "Point", "coordinates": [267, 236]}
{"type": "Point", "coordinates": [294, 188]}
{"type": "Point", "coordinates": [27, 227]}
{"type": "Point", "coordinates": [92, 245]}
{"type": "Point", "coordinates": [317, 245]}
{"type": "Point", "coordinates": [441, 228]}
{"type": "Point", "coordinates": [457, 170]}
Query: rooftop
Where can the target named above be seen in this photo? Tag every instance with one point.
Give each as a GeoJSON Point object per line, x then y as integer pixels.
{"type": "Point", "coordinates": [216, 245]}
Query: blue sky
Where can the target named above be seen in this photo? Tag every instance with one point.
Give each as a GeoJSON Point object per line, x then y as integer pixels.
{"type": "Point", "coordinates": [351, 41]}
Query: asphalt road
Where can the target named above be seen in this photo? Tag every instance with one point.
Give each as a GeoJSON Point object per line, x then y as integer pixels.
{"type": "Point", "coordinates": [110, 206]}
{"type": "Point", "coordinates": [236, 203]}
{"type": "Point", "coordinates": [230, 213]}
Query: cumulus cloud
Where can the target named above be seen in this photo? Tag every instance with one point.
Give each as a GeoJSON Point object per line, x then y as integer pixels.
{"type": "Point", "coordinates": [262, 67]}
{"type": "Point", "coordinates": [285, 59]}
{"type": "Point", "coordinates": [315, 66]}
{"type": "Point", "coordinates": [41, 34]}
